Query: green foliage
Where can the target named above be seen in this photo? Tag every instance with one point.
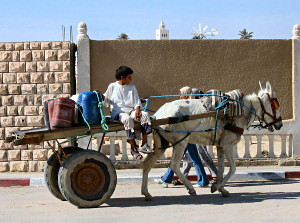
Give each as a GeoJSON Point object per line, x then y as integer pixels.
{"type": "Point", "coordinates": [123, 36]}
{"type": "Point", "coordinates": [245, 34]}
{"type": "Point", "coordinates": [200, 36]}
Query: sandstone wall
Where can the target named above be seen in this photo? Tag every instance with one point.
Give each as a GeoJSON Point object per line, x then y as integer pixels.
{"type": "Point", "coordinates": [30, 74]}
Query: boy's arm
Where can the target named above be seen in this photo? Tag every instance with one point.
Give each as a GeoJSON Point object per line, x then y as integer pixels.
{"type": "Point", "coordinates": [106, 96]}
{"type": "Point", "coordinates": [137, 103]}
{"type": "Point", "coordinates": [136, 100]}
{"type": "Point", "coordinates": [138, 113]}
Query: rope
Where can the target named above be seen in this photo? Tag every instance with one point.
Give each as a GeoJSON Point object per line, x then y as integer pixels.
{"type": "Point", "coordinates": [188, 133]}
{"type": "Point", "coordinates": [100, 106]}
{"type": "Point", "coordinates": [179, 141]}
{"type": "Point", "coordinates": [103, 121]}
{"type": "Point", "coordinates": [80, 135]}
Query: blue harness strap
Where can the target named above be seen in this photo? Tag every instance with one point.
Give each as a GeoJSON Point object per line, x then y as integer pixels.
{"type": "Point", "coordinates": [223, 105]}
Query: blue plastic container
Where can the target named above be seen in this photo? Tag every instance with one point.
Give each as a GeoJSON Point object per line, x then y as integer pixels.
{"type": "Point", "coordinates": [88, 103]}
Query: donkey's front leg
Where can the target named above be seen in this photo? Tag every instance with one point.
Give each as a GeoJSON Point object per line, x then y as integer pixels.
{"type": "Point", "coordinates": [232, 167]}
{"type": "Point", "coordinates": [175, 166]}
{"type": "Point", "coordinates": [220, 153]}
{"type": "Point", "coordinates": [221, 181]}
{"type": "Point", "coordinates": [147, 165]}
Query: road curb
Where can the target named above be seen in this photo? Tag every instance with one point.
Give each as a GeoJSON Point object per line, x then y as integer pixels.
{"type": "Point", "coordinates": [10, 182]}
{"type": "Point", "coordinates": [239, 176]}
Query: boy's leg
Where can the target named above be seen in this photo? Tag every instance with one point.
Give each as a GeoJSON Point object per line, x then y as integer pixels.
{"type": "Point", "coordinates": [186, 167]}
{"type": "Point", "coordinates": [187, 164]}
{"type": "Point", "coordinates": [208, 161]}
{"type": "Point", "coordinates": [168, 176]}
{"type": "Point", "coordinates": [146, 125]}
{"type": "Point", "coordinates": [128, 125]}
{"type": "Point", "coordinates": [194, 155]}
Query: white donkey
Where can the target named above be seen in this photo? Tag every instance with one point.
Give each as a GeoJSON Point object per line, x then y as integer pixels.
{"type": "Point", "coordinates": [263, 105]}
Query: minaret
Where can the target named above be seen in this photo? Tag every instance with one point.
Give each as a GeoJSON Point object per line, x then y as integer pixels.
{"type": "Point", "coordinates": [162, 33]}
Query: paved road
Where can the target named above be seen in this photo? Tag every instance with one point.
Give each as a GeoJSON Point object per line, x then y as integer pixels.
{"type": "Point", "coordinates": [264, 201]}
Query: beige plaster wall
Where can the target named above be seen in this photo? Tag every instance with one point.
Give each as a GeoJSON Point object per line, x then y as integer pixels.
{"type": "Point", "coordinates": [163, 67]}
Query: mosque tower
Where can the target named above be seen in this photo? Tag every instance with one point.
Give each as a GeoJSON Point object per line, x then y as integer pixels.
{"type": "Point", "coordinates": [162, 32]}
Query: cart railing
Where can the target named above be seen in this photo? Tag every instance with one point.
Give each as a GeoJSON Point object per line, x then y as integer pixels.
{"type": "Point", "coordinates": [250, 146]}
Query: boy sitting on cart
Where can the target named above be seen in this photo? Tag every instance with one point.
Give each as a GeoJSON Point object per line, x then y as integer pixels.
{"type": "Point", "coordinates": [125, 105]}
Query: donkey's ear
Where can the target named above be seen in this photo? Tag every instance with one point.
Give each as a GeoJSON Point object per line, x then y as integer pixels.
{"type": "Point", "coordinates": [261, 86]}
{"type": "Point", "coordinates": [269, 88]}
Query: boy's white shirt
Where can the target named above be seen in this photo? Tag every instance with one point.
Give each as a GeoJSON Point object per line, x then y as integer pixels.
{"type": "Point", "coordinates": [121, 98]}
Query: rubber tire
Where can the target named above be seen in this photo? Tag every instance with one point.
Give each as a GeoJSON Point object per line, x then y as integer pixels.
{"type": "Point", "coordinates": [51, 172]}
{"type": "Point", "coordinates": [69, 167]}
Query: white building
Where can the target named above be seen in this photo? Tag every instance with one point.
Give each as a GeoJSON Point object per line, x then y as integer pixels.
{"type": "Point", "coordinates": [162, 32]}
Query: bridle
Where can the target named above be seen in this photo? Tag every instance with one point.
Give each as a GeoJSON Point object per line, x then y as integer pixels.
{"type": "Point", "coordinates": [274, 105]}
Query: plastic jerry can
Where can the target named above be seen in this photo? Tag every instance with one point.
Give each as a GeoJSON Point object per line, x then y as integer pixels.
{"type": "Point", "coordinates": [46, 111]}
{"type": "Point", "coordinates": [62, 113]}
{"type": "Point", "coordinates": [88, 105]}
{"type": "Point", "coordinates": [50, 112]}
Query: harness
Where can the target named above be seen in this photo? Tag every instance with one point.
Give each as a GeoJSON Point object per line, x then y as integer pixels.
{"type": "Point", "coordinates": [235, 129]}
{"type": "Point", "coordinates": [274, 105]}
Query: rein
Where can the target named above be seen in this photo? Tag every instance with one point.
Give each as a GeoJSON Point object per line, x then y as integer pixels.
{"type": "Point", "coordinates": [274, 105]}
{"type": "Point", "coordinates": [179, 141]}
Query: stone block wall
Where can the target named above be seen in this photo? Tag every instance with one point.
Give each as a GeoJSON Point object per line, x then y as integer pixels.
{"type": "Point", "coordinates": [30, 74]}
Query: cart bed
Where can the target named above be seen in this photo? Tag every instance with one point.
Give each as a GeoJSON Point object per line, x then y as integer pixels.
{"type": "Point", "coordinates": [38, 135]}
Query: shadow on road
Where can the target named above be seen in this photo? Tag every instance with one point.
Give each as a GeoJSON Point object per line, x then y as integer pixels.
{"type": "Point", "coordinates": [261, 183]}
{"type": "Point", "coordinates": [215, 199]}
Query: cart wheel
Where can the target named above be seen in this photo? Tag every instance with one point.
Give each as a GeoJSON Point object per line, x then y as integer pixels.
{"type": "Point", "coordinates": [87, 179]}
{"type": "Point", "coordinates": [51, 172]}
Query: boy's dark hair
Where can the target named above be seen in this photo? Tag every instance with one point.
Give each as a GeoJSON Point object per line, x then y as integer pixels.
{"type": "Point", "coordinates": [123, 71]}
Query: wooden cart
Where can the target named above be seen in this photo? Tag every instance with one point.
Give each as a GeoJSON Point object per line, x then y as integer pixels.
{"type": "Point", "coordinates": [86, 178]}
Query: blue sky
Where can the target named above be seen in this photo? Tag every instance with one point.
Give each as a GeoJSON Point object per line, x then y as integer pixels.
{"type": "Point", "coordinates": [42, 20]}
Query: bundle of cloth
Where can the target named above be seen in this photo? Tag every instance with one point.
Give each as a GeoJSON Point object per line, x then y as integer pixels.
{"type": "Point", "coordinates": [211, 102]}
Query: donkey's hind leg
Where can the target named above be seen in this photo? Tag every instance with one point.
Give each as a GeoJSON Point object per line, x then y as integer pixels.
{"type": "Point", "coordinates": [175, 166]}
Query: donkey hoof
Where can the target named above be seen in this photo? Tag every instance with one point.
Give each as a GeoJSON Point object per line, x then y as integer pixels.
{"type": "Point", "coordinates": [213, 188]}
{"type": "Point", "coordinates": [193, 193]}
{"type": "Point", "coordinates": [148, 198]}
{"type": "Point", "coordinates": [225, 193]}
